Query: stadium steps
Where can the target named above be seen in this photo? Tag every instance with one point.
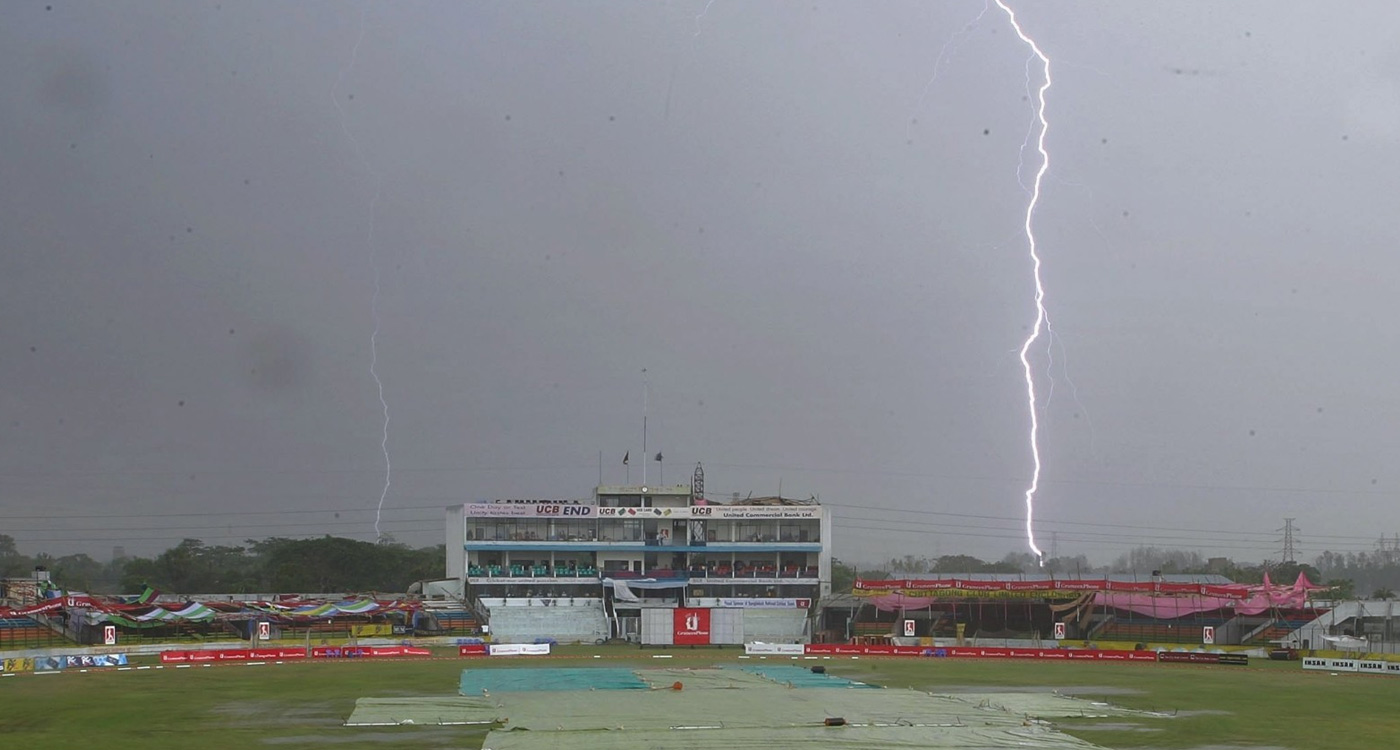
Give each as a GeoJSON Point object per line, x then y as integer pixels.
{"type": "Point", "coordinates": [1274, 630]}
{"type": "Point", "coordinates": [872, 628]}
{"type": "Point", "coordinates": [21, 632]}
{"type": "Point", "coordinates": [457, 622]}
{"type": "Point", "coordinates": [1098, 627]}
{"type": "Point", "coordinates": [1152, 632]}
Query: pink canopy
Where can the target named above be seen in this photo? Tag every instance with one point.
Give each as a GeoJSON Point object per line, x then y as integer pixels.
{"type": "Point", "coordinates": [1243, 599]}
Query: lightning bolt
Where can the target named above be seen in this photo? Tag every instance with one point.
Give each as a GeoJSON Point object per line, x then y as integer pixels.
{"type": "Point", "coordinates": [701, 17]}
{"type": "Point", "coordinates": [374, 264]}
{"type": "Point", "coordinates": [948, 46]}
{"type": "Point", "coordinates": [1040, 313]}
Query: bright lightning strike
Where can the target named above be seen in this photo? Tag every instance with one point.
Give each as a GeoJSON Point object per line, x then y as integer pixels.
{"type": "Point", "coordinates": [374, 264]}
{"type": "Point", "coordinates": [1040, 314]}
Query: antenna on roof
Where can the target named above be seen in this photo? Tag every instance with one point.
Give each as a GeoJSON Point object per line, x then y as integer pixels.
{"type": "Point", "coordinates": [646, 397]}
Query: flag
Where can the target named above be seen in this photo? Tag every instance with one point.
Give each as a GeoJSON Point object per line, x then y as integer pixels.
{"type": "Point", "coordinates": [626, 456]}
{"type": "Point", "coordinates": [148, 595]}
{"type": "Point", "coordinates": [658, 455]}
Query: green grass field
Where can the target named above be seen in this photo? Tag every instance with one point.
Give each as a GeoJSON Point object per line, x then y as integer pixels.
{"type": "Point", "coordinates": [1271, 704]}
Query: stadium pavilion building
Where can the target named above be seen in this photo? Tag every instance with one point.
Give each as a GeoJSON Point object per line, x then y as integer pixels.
{"type": "Point", "coordinates": [587, 569]}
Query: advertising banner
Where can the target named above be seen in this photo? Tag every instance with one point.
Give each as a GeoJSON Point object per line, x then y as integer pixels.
{"type": "Point", "coordinates": [691, 626]}
{"type": "Point", "coordinates": [25, 664]}
{"type": "Point", "coordinates": [976, 652]}
{"type": "Point", "coordinates": [278, 654]}
{"type": "Point", "coordinates": [86, 661]}
{"type": "Point", "coordinates": [518, 649]}
{"type": "Point", "coordinates": [48, 663]}
{"type": "Point", "coordinates": [362, 652]}
{"type": "Point", "coordinates": [755, 512]}
{"type": "Point", "coordinates": [1187, 657]}
{"type": "Point", "coordinates": [1332, 665]}
{"type": "Point", "coordinates": [52, 605]}
{"type": "Point", "coordinates": [786, 649]}
{"type": "Point", "coordinates": [744, 603]}
{"type": "Point", "coordinates": [472, 649]}
{"type": "Point", "coordinates": [528, 510]}
{"type": "Point", "coordinates": [98, 660]}
{"type": "Point", "coordinates": [1370, 666]}
{"type": "Point", "coordinates": [1199, 658]}
{"type": "Point", "coordinates": [718, 512]}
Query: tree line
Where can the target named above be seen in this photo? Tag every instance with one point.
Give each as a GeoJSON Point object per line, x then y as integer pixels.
{"type": "Point", "coordinates": [309, 566]}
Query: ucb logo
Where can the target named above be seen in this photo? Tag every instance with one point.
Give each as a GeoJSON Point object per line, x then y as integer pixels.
{"type": "Point", "coordinates": [563, 510]}
{"type": "Point", "coordinates": [692, 622]}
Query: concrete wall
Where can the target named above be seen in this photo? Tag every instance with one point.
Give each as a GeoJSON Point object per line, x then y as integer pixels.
{"type": "Point", "coordinates": [456, 536]}
{"type": "Point", "coordinates": [584, 623]}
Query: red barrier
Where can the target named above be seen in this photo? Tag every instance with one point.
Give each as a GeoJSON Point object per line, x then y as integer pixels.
{"type": "Point", "coordinates": [362, 652]}
{"type": "Point", "coordinates": [975, 652]}
{"type": "Point", "coordinates": [472, 649]}
{"type": "Point", "coordinates": [265, 654]}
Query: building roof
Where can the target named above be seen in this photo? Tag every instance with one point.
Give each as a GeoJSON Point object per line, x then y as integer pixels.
{"type": "Point", "coordinates": [637, 489]}
{"type": "Point", "coordinates": [772, 500]}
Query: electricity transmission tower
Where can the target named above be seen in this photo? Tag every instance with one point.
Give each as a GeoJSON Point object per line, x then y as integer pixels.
{"type": "Point", "coordinates": [1290, 541]}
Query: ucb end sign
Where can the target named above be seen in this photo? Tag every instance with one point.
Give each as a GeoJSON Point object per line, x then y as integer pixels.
{"type": "Point", "coordinates": [1059, 631]}
{"type": "Point", "coordinates": [574, 511]}
{"type": "Point", "coordinates": [109, 635]}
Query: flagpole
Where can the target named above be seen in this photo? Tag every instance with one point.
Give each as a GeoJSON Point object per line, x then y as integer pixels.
{"type": "Point", "coordinates": [646, 397]}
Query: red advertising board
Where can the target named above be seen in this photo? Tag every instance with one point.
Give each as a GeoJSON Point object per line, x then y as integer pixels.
{"type": "Point", "coordinates": [691, 626]}
{"type": "Point", "coordinates": [320, 652]}
{"type": "Point", "coordinates": [979, 652]}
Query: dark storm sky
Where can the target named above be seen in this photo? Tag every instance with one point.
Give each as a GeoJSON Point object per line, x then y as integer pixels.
{"type": "Point", "coordinates": [802, 219]}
